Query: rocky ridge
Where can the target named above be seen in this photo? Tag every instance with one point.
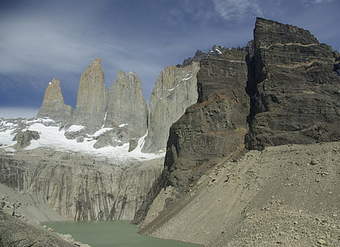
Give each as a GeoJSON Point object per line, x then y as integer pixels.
{"type": "Point", "coordinates": [282, 89]}
{"type": "Point", "coordinates": [122, 109]}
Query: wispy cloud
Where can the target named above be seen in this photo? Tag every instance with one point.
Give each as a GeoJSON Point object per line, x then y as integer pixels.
{"type": "Point", "coordinates": [44, 39]}
{"type": "Point", "coordinates": [310, 2]}
{"type": "Point", "coordinates": [237, 9]}
{"type": "Point", "coordinates": [322, 1]}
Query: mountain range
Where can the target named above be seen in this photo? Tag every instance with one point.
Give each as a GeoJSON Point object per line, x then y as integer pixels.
{"type": "Point", "coordinates": [237, 147]}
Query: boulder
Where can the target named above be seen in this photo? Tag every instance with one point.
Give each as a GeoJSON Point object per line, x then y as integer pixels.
{"type": "Point", "coordinates": [114, 137]}
{"type": "Point", "coordinates": [133, 142]}
{"type": "Point", "coordinates": [24, 138]}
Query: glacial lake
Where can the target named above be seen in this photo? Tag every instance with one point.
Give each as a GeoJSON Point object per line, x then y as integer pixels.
{"type": "Point", "coordinates": [112, 234]}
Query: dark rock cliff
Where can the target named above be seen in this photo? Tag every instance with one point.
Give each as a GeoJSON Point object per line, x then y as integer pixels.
{"type": "Point", "coordinates": [211, 130]}
{"type": "Point", "coordinates": [214, 128]}
{"type": "Point", "coordinates": [295, 93]}
{"type": "Point", "coordinates": [284, 80]}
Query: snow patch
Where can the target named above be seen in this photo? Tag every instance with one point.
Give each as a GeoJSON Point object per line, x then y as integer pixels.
{"type": "Point", "coordinates": [39, 120]}
{"type": "Point", "coordinates": [75, 128]}
{"type": "Point", "coordinates": [122, 125]}
{"type": "Point", "coordinates": [6, 137]}
{"type": "Point", "coordinates": [104, 120]}
{"type": "Point", "coordinates": [218, 51]}
{"type": "Point", "coordinates": [100, 132]}
{"type": "Point", "coordinates": [51, 136]}
{"type": "Point", "coordinates": [187, 77]}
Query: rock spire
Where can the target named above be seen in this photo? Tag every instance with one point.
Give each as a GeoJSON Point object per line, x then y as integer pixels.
{"type": "Point", "coordinates": [126, 105]}
{"type": "Point", "coordinates": [91, 98]}
{"type": "Point", "coordinates": [53, 103]}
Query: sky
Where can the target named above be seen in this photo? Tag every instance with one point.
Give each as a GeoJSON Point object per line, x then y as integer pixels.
{"type": "Point", "coordinates": [43, 39]}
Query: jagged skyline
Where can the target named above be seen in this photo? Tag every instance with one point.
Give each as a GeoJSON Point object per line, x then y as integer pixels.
{"type": "Point", "coordinates": [45, 39]}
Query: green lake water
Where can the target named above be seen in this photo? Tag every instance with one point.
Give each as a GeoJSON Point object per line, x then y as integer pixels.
{"type": "Point", "coordinates": [112, 234]}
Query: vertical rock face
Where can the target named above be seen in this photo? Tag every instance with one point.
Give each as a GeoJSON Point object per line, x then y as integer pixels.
{"type": "Point", "coordinates": [126, 105]}
{"type": "Point", "coordinates": [295, 92]}
{"type": "Point", "coordinates": [81, 188]}
{"type": "Point", "coordinates": [175, 90]}
{"type": "Point", "coordinates": [53, 104]}
{"type": "Point", "coordinates": [215, 127]}
{"type": "Point", "coordinates": [91, 98]}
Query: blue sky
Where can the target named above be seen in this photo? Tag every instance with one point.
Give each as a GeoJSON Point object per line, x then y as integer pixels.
{"type": "Point", "coordinates": [42, 39]}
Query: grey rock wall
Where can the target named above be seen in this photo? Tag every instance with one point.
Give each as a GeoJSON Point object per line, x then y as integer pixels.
{"type": "Point", "coordinates": [79, 187]}
{"type": "Point", "coordinates": [175, 90]}
{"type": "Point", "coordinates": [126, 105]}
{"type": "Point", "coordinates": [91, 98]}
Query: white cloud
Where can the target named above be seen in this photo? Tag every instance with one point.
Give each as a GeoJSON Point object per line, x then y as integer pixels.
{"type": "Point", "coordinates": [236, 9]}
{"type": "Point", "coordinates": [322, 1]}
{"type": "Point", "coordinates": [309, 2]}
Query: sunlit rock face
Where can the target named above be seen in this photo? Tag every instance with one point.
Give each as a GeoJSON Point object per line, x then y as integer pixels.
{"type": "Point", "coordinates": [91, 99]}
{"type": "Point", "coordinates": [53, 103]}
{"type": "Point", "coordinates": [175, 90]}
{"type": "Point", "coordinates": [126, 105]}
{"type": "Point", "coordinates": [294, 89]}
{"type": "Point", "coordinates": [123, 107]}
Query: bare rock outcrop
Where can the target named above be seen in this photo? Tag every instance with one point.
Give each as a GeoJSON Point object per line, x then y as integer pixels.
{"type": "Point", "coordinates": [53, 103]}
{"type": "Point", "coordinates": [175, 90]}
{"type": "Point", "coordinates": [91, 98]}
{"type": "Point", "coordinates": [294, 89]}
{"type": "Point", "coordinates": [78, 186]}
{"type": "Point", "coordinates": [214, 128]}
{"type": "Point", "coordinates": [114, 137]}
{"type": "Point", "coordinates": [24, 138]}
{"type": "Point", "coordinates": [126, 105]}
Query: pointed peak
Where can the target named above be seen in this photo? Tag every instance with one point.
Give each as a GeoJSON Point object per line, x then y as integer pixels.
{"type": "Point", "coordinates": [121, 73]}
{"type": "Point", "coordinates": [132, 74]}
{"type": "Point", "coordinates": [127, 78]}
{"type": "Point", "coordinates": [54, 82]}
{"type": "Point", "coordinates": [97, 61]}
